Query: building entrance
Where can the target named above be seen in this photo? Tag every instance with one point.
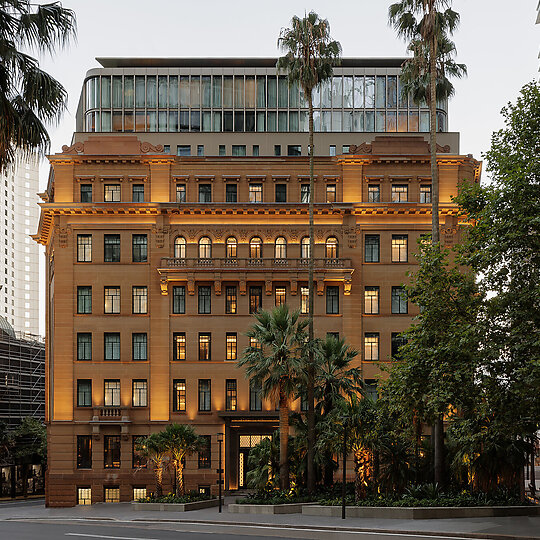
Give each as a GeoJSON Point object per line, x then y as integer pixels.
{"type": "Point", "coordinates": [246, 443]}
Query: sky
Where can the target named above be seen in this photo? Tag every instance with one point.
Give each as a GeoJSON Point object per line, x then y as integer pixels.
{"type": "Point", "coordinates": [497, 40]}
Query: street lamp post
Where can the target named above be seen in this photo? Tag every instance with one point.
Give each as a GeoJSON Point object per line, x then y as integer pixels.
{"type": "Point", "coordinates": [220, 470]}
{"type": "Point", "coordinates": [344, 479]}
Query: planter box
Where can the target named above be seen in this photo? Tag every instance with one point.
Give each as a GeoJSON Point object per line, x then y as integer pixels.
{"type": "Point", "coordinates": [171, 507]}
{"type": "Point", "coordinates": [292, 508]}
{"type": "Point", "coordinates": [421, 513]}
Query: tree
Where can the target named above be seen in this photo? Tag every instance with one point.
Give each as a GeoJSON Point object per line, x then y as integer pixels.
{"type": "Point", "coordinates": [275, 364]}
{"type": "Point", "coordinates": [180, 441]}
{"type": "Point", "coordinates": [427, 24]}
{"type": "Point", "coordinates": [263, 462]}
{"type": "Point", "coordinates": [29, 97]}
{"type": "Point", "coordinates": [154, 449]}
{"type": "Point", "coordinates": [310, 57]}
{"type": "Point", "coordinates": [504, 248]}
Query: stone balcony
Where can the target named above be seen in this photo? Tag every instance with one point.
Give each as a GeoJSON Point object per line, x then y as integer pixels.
{"type": "Point", "coordinates": [107, 416]}
{"type": "Point", "coordinates": [240, 269]}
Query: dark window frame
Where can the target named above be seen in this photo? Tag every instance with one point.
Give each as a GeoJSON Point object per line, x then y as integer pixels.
{"type": "Point", "coordinates": [84, 393]}
{"type": "Point", "coordinates": [205, 395]}
{"type": "Point", "coordinates": [332, 300]}
{"type": "Point", "coordinates": [84, 445]}
{"type": "Point", "coordinates": [179, 300]}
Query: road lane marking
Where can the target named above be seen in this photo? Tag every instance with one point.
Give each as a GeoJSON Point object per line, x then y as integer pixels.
{"type": "Point", "coordinates": [110, 537]}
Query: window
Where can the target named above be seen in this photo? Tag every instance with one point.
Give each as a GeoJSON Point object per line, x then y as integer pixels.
{"type": "Point", "coordinates": [370, 388]}
{"type": "Point", "coordinates": [112, 192]}
{"type": "Point", "coordinates": [86, 193]}
{"type": "Point", "coordinates": [111, 452]}
{"type": "Point", "coordinates": [254, 343]}
{"type": "Point", "coordinates": [280, 296]}
{"type": "Point", "coordinates": [84, 300]}
{"type": "Point", "coordinates": [332, 150]}
{"type": "Point", "coordinates": [231, 193]}
{"type": "Point", "coordinates": [230, 300]}
{"type": "Point", "coordinates": [304, 300]}
{"type": "Point", "coordinates": [179, 299]}
{"type": "Point", "coordinates": [332, 248]}
{"type": "Point", "coordinates": [304, 193]}
{"type": "Point", "coordinates": [183, 150]}
{"type": "Point", "coordinates": [255, 298]}
{"type": "Point", "coordinates": [255, 193]}
{"type": "Point", "coordinates": [112, 393]}
{"type": "Point", "coordinates": [399, 248]}
{"type": "Point", "coordinates": [231, 248]}
{"type": "Point", "coordinates": [400, 192]}
{"type": "Point", "coordinates": [397, 342]}
{"type": "Point", "coordinates": [112, 494]}
{"type": "Point", "coordinates": [238, 149]}
{"type": "Point", "coordinates": [138, 461]}
{"type": "Point", "coordinates": [112, 300]}
{"type": "Point", "coordinates": [281, 193]}
{"type": "Point", "coordinates": [112, 346]}
{"type": "Point", "coordinates": [139, 248]}
{"type": "Point", "coordinates": [205, 453]}
{"type": "Point", "coordinates": [179, 346]}
{"type": "Point", "coordinates": [304, 248]}
{"type": "Point", "coordinates": [140, 393]}
{"type": "Point", "coordinates": [84, 451]}
{"type": "Point", "coordinates": [333, 335]}
{"type": "Point", "coordinates": [374, 193]}
{"type": "Point", "coordinates": [231, 345]}
{"type": "Point", "coordinates": [180, 247]}
{"type": "Point", "coordinates": [230, 395]}
{"type": "Point", "coordinates": [138, 192]}
{"type": "Point", "coordinates": [255, 397]}
{"type": "Point", "coordinates": [371, 300]}
{"type": "Point", "coordinates": [139, 346]}
{"type": "Point", "coordinates": [200, 150]}
{"type": "Point", "coordinates": [205, 299]}
{"type": "Point", "coordinates": [205, 248]}
{"type": "Point", "coordinates": [84, 393]}
{"type": "Point", "coordinates": [181, 193]}
{"type": "Point", "coordinates": [84, 346]}
{"type": "Point", "coordinates": [425, 193]}
{"type": "Point", "coordinates": [204, 346]}
{"type": "Point", "coordinates": [179, 395]}
{"type": "Point", "coordinates": [205, 396]}
{"type": "Point", "coordinates": [277, 149]}
{"type": "Point", "coordinates": [84, 248]}
{"type": "Point", "coordinates": [372, 248]}
{"type": "Point", "coordinates": [399, 300]}
{"type": "Point", "coordinates": [140, 300]}
{"type": "Point", "coordinates": [205, 193]}
{"type": "Point", "coordinates": [255, 248]}
{"type": "Point", "coordinates": [280, 250]}
{"type": "Point", "coordinates": [111, 248]}
{"type": "Point", "coordinates": [332, 299]}
{"type": "Point", "coordinates": [255, 149]}
{"type": "Point", "coordinates": [139, 493]}
{"type": "Point", "coordinates": [371, 346]}
{"type": "Point", "coordinates": [221, 150]}
{"type": "Point", "coordinates": [294, 150]}
{"type": "Point", "coordinates": [331, 193]}
{"type": "Point", "coordinates": [84, 495]}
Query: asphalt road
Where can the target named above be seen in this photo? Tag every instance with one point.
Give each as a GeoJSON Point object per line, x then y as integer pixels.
{"type": "Point", "coordinates": [83, 530]}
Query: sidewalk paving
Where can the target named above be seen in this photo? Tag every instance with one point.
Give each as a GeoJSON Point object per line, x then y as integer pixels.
{"type": "Point", "coordinates": [507, 527]}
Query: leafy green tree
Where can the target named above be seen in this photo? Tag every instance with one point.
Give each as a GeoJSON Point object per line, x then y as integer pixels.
{"type": "Point", "coordinates": [180, 441]}
{"type": "Point", "coordinates": [310, 56]}
{"type": "Point", "coordinates": [154, 449]}
{"type": "Point", "coordinates": [503, 247]}
{"type": "Point", "coordinates": [275, 364]}
{"type": "Point", "coordinates": [263, 462]}
{"type": "Point", "coordinates": [29, 97]}
{"type": "Point", "coordinates": [427, 24]}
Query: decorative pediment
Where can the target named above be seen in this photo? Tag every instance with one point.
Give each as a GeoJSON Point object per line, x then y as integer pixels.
{"type": "Point", "coordinates": [363, 148]}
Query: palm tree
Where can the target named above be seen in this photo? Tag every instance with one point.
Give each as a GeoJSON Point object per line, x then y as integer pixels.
{"type": "Point", "coordinates": [275, 364]}
{"type": "Point", "coordinates": [334, 381]}
{"type": "Point", "coordinates": [180, 441]}
{"type": "Point", "coordinates": [29, 97]}
{"type": "Point", "coordinates": [426, 23]}
{"type": "Point", "coordinates": [154, 449]}
{"type": "Point", "coordinates": [310, 57]}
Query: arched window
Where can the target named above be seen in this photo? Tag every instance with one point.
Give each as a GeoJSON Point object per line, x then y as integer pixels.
{"type": "Point", "coordinates": [205, 248]}
{"type": "Point", "coordinates": [280, 248]}
{"type": "Point", "coordinates": [332, 248]}
{"type": "Point", "coordinates": [231, 248]}
{"type": "Point", "coordinates": [304, 248]}
{"type": "Point", "coordinates": [255, 248]}
{"type": "Point", "coordinates": [180, 247]}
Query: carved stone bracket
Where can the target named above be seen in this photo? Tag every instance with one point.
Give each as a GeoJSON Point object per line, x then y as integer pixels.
{"type": "Point", "coordinates": [441, 149]}
{"type": "Point", "coordinates": [147, 147]}
{"type": "Point", "coordinates": [217, 284]}
{"type": "Point", "coordinates": [364, 148]}
{"type": "Point", "coordinates": [191, 284]}
{"type": "Point", "coordinates": [448, 234]}
{"type": "Point", "coordinates": [320, 286]}
{"type": "Point", "coordinates": [63, 234]}
{"type": "Point", "coordinates": [76, 148]}
{"type": "Point", "coordinates": [164, 285]}
{"type": "Point", "coordinates": [294, 287]}
{"type": "Point", "coordinates": [268, 285]}
{"type": "Point", "coordinates": [242, 285]}
{"type": "Point", "coordinates": [350, 235]}
{"type": "Point", "coordinates": [347, 284]}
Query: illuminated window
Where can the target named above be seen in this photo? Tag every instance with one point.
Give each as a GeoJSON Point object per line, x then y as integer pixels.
{"type": "Point", "coordinates": [425, 193]}
{"type": "Point", "coordinates": [230, 395]}
{"type": "Point", "coordinates": [205, 395]}
{"type": "Point", "coordinates": [255, 248]}
{"type": "Point", "coordinates": [138, 460]}
{"type": "Point", "coordinates": [304, 300]}
{"type": "Point", "coordinates": [399, 300]}
{"type": "Point", "coordinates": [400, 193]}
{"type": "Point", "coordinates": [139, 493]}
{"type": "Point", "coordinates": [204, 346]}
{"type": "Point", "coordinates": [112, 346]}
{"type": "Point", "coordinates": [112, 494]}
{"type": "Point", "coordinates": [180, 247]}
{"type": "Point", "coordinates": [371, 300]}
{"type": "Point", "coordinates": [179, 395]}
{"type": "Point", "coordinates": [205, 453]}
{"type": "Point", "coordinates": [84, 393]}
{"type": "Point", "coordinates": [332, 299]}
{"type": "Point", "coordinates": [111, 452]}
{"type": "Point", "coordinates": [179, 299]}
{"type": "Point", "coordinates": [140, 393]}
{"type": "Point", "coordinates": [205, 299]}
{"type": "Point", "coordinates": [304, 193]}
{"type": "Point", "coordinates": [280, 296]}
{"type": "Point", "coordinates": [254, 343]}
{"type": "Point", "coordinates": [304, 247]}
{"type": "Point", "coordinates": [205, 248]}
{"type": "Point", "coordinates": [371, 346]}
{"type": "Point", "coordinates": [180, 193]}
{"type": "Point", "coordinates": [230, 300]}
{"type": "Point", "coordinates": [255, 299]}
{"type": "Point", "coordinates": [112, 192]}
{"type": "Point", "coordinates": [399, 248]}
{"type": "Point", "coordinates": [112, 393]}
{"type": "Point", "coordinates": [84, 300]}
{"type": "Point", "coordinates": [280, 250]}
{"type": "Point", "coordinates": [139, 248]}
{"type": "Point", "coordinates": [140, 300]}
{"type": "Point", "coordinates": [330, 193]}
{"type": "Point", "coordinates": [255, 193]}
{"type": "Point", "coordinates": [84, 248]}
{"type": "Point", "coordinates": [231, 248]}
{"type": "Point", "coordinates": [84, 451]}
{"type": "Point", "coordinates": [332, 248]}
{"type": "Point", "coordinates": [84, 496]}
{"type": "Point", "coordinates": [112, 300]}
{"type": "Point", "coordinates": [374, 193]}
{"type": "Point", "coordinates": [179, 346]}
{"type": "Point", "coordinates": [231, 345]}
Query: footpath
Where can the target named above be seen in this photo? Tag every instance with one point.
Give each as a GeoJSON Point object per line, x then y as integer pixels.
{"type": "Point", "coordinates": [497, 528]}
